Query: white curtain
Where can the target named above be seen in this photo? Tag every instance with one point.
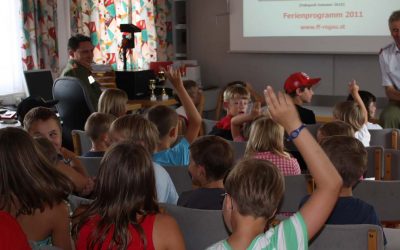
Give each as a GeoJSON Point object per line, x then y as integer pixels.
{"type": "Point", "coordinates": [11, 72]}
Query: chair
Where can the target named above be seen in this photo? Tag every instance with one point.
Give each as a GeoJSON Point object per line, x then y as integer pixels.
{"type": "Point", "coordinates": [384, 196]}
{"type": "Point", "coordinates": [391, 164]}
{"type": "Point", "coordinates": [81, 141]}
{"type": "Point", "coordinates": [74, 106]}
{"type": "Point", "coordinates": [200, 228]}
{"type": "Point", "coordinates": [362, 236]}
{"type": "Point", "coordinates": [239, 149]}
{"type": "Point", "coordinates": [208, 125]}
{"type": "Point", "coordinates": [387, 138]}
{"type": "Point", "coordinates": [76, 201]}
{"type": "Point", "coordinates": [92, 164]}
{"type": "Point", "coordinates": [180, 177]}
{"type": "Point", "coordinates": [393, 238]}
{"type": "Point", "coordinates": [374, 162]}
{"type": "Point", "coordinates": [296, 188]}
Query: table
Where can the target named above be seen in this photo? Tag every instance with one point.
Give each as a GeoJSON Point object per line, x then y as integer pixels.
{"type": "Point", "coordinates": [147, 103]}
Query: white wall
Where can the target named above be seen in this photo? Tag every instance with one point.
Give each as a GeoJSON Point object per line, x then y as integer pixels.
{"type": "Point", "coordinates": [208, 43]}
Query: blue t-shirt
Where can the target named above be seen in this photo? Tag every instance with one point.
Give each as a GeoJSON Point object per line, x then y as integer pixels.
{"type": "Point", "coordinates": [94, 154]}
{"type": "Point", "coordinates": [166, 191]}
{"type": "Point", "coordinates": [202, 198]}
{"type": "Point", "coordinates": [178, 155]}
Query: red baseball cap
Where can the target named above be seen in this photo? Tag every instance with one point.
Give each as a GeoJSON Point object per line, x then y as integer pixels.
{"type": "Point", "coordinates": [298, 80]}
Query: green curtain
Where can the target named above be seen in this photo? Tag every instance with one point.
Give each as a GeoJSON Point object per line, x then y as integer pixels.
{"type": "Point", "coordinates": [39, 48]}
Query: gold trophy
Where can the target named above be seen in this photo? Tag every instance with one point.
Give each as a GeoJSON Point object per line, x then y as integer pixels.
{"type": "Point", "coordinates": [152, 87]}
{"type": "Point", "coordinates": [161, 81]}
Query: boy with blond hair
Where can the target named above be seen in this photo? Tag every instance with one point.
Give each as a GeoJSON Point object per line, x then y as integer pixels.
{"type": "Point", "coordinates": [166, 120]}
{"type": "Point", "coordinates": [236, 101]}
{"type": "Point", "coordinates": [97, 127]}
{"type": "Point", "coordinates": [255, 187]}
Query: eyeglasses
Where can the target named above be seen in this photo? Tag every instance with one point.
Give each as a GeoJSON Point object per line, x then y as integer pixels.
{"type": "Point", "coordinates": [224, 195]}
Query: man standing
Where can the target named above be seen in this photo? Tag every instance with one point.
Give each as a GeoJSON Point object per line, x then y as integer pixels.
{"type": "Point", "coordinates": [389, 60]}
{"type": "Point", "coordinates": [80, 51]}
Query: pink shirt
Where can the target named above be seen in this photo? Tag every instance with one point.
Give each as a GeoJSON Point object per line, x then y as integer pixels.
{"type": "Point", "coordinates": [288, 166]}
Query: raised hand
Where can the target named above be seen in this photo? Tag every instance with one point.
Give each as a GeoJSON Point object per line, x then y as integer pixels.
{"type": "Point", "coordinates": [353, 87]}
{"type": "Point", "coordinates": [174, 76]}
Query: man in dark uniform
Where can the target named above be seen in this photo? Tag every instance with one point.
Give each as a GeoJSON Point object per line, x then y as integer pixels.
{"type": "Point", "coordinates": [299, 86]}
{"type": "Point", "coordinates": [80, 49]}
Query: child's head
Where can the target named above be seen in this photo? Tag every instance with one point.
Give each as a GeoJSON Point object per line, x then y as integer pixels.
{"type": "Point", "coordinates": [265, 135]}
{"type": "Point", "coordinates": [236, 99]}
{"type": "Point", "coordinates": [113, 101]}
{"type": "Point", "coordinates": [350, 113]}
{"type": "Point", "coordinates": [255, 188]}
{"type": "Point", "coordinates": [211, 157]}
{"type": "Point", "coordinates": [298, 85]}
{"type": "Point", "coordinates": [348, 155]}
{"type": "Point", "coordinates": [135, 128]}
{"type": "Point", "coordinates": [97, 127]}
{"type": "Point", "coordinates": [42, 121]}
{"type": "Point", "coordinates": [166, 120]}
{"type": "Point", "coordinates": [369, 101]}
{"type": "Point", "coordinates": [125, 189]}
{"type": "Point", "coordinates": [47, 149]}
{"type": "Point", "coordinates": [193, 90]}
{"type": "Point", "coordinates": [334, 128]}
{"type": "Point", "coordinates": [28, 181]}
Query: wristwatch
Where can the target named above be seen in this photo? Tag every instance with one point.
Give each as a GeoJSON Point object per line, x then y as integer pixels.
{"type": "Point", "coordinates": [295, 133]}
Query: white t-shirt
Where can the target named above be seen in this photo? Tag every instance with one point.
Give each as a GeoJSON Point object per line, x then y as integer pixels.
{"type": "Point", "coordinates": [389, 60]}
{"type": "Point", "coordinates": [363, 135]}
{"type": "Point", "coordinates": [372, 126]}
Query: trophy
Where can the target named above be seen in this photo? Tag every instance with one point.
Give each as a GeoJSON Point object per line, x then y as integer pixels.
{"type": "Point", "coordinates": [152, 87]}
{"type": "Point", "coordinates": [161, 81]}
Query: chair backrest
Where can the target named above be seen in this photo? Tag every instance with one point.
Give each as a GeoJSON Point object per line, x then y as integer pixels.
{"type": "Point", "coordinates": [76, 201]}
{"type": "Point", "coordinates": [200, 228]}
{"type": "Point", "coordinates": [375, 162]}
{"type": "Point", "coordinates": [384, 196]}
{"type": "Point", "coordinates": [208, 125]}
{"type": "Point", "coordinates": [387, 138]}
{"type": "Point", "coordinates": [313, 128]}
{"type": "Point", "coordinates": [180, 177]}
{"type": "Point", "coordinates": [362, 236]}
{"type": "Point", "coordinates": [81, 141]}
{"type": "Point", "coordinates": [296, 188]}
{"type": "Point", "coordinates": [391, 164]}
{"type": "Point", "coordinates": [238, 148]}
{"type": "Point", "coordinates": [92, 164]}
{"type": "Point", "coordinates": [74, 105]}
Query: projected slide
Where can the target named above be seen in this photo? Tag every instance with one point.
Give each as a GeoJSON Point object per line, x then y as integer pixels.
{"type": "Point", "coordinates": [308, 18]}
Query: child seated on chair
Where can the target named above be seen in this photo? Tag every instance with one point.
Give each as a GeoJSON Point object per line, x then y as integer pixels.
{"type": "Point", "coordinates": [211, 158]}
{"type": "Point", "coordinates": [113, 101]}
{"type": "Point", "coordinates": [349, 157]}
{"type": "Point", "coordinates": [334, 128]}
{"type": "Point", "coordinates": [235, 101]}
{"type": "Point", "coordinates": [369, 101]}
{"type": "Point", "coordinates": [43, 122]}
{"type": "Point", "coordinates": [97, 128]}
{"type": "Point", "coordinates": [166, 120]}
{"type": "Point", "coordinates": [355, 114]}
{"type": "Point", "coordinates": [255, 187]}
{"type": "Point", "coordinates": [138, 129]}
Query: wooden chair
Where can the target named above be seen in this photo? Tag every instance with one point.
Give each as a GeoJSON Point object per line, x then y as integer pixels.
{"type": "Point", "coordinates": [200, 228]}
{"type": "Point", "coordinates": [384, 196]}
{"type": "Point", "coordinates": [362, 236]}
{"type": "Point", "coordinates": [375, 162]}
{"type": "Point", "coordinates": [92, 164]}
{"type": "Point", "coordinates": [391, 164]}
{"type": "Point", "coordinates": [387, 138]}
{"type": "Point", "coordinates": [81, 142]}
{"type": "Point", "coordinates": [180, 177]}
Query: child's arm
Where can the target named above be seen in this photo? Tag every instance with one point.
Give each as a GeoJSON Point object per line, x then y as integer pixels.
{"type": "Point", "coordinates": [353, 89]}
{"type": "Point", "coordinates": [328, 181]}
{"type": "Point", "coordinates": [238, 120]}
{"type": "Point", "coordinates": [194, 118]}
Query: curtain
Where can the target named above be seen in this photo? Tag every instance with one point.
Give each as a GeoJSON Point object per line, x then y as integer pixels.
{"type": "Point", "coordinates": [100, 19]}
{"type": "Point", "coordinates": [11, 71]}
{"type": "Point", "coordinates": [40, 49]}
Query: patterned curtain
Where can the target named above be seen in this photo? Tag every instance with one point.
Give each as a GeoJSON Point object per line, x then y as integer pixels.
{"type": "Point", "coordinates": [40, 49]}
{"type": "Point", "coordinates": [100, 19]}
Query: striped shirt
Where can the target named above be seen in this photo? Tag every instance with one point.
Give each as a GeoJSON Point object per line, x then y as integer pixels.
{"type": "Point", "coordinates": [289, 234]}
